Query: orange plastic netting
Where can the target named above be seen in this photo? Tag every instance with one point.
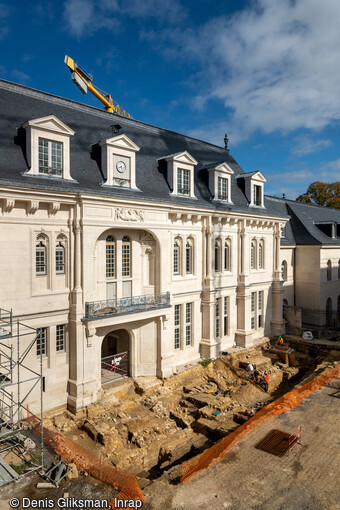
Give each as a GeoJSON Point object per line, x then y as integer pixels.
{"type": "Point", "coordinates": [87, 461]}
{"type": "Point", "coordinates": [290, 400]}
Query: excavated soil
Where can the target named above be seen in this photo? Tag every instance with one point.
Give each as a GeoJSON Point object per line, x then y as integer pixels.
{"type": "Point", "coordinates": [148, 426]}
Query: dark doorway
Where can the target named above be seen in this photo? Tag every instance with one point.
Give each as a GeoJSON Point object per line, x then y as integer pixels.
{"type": "Point", "coordinates": [115, 355]}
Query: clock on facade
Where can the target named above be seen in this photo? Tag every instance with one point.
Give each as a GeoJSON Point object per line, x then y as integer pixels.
{"type": "Point", "coordinates": [121, 166]}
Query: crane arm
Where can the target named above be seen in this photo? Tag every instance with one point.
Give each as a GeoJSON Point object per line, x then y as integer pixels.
{"type": "Point", "coordinates": [83, 80]}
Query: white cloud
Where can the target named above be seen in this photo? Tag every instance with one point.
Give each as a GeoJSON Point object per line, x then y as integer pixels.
{"type": "Point", "coordinates": [330, 171]}
{"type": "Point", "coordinates": [305, 144]}
{"type": "Point", "coordinates": [275, 64]}
{"type": "Point", "coordinates": [87, 16]}
{"type": "Point", "coordinates": [20, 76]}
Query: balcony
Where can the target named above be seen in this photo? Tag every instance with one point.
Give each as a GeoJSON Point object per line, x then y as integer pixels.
{"type": "Point", "coordinates": [113, 307]}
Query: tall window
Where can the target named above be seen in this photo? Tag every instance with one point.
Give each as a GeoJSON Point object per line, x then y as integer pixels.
{"type": "Point", "coordinates": [188, 312]}
{"type": "Point", "coordinates": [60, 258]}
{"type": "Point", "coordinates": [252, 255]}
{"type": "Point", "coordinates": [41, 341]}
{"type": "Point", "coordinates": [188, 258]}
{"type": "Point", "coordinates": [329, 270]}
{"type": "Point", "coordinates": [257, 190]}
{"type": "Point", "coordinates": [183, 181]}
{"type": "Point", "coordinates": [252, 310]}
{"type": "Point", "coordinates": [177, 326]}
{"type": "Point", "coordinates": [226, 256]}
{"type": "Point", "coordinates": [217, 319]}
{"type": "Point", "coordinates": [261, 255]}
{"type": "Point", "coordinates": [260, 309]}
{"type": "Point", "coordinates": [222, 187]}
{"type": "Point", "coordinates": [126, 256]}
{"type": "Point", "coordinates": [60, 338]}
{"type": "Point", "coordinates": [176, 258]}
{"type": "Point", "coordinates": [217, 256]}
{"type": "Point", "coordinates": [40, 258]}
{"type": "Point", "coordinates": [339, 269]}
{"type": "Point", "coordinates": [284, 270]}
{"type": "Point", "coordinates": [225, 316]}
{"type": "Point", "coordinates": [110, 257]}
{"type": "Point", "coordinates": [50, 157]}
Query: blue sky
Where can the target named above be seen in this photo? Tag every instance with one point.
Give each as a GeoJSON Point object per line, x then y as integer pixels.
{"type": "Point", "coordinates": [267, 72]}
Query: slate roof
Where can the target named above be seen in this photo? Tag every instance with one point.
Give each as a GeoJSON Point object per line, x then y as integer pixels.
{"type": "Point", "coordinates": [18, 104]}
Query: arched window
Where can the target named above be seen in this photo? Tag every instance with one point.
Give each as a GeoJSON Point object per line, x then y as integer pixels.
{"type": "Point", "coordinates": [329, 270]}
{"type": "Point", "coordinates": [188, 257]}
{"type": "Point", "coordinates": [227, 255]}
{"type": "Point", "coordinates": [217, 256]}
{"type": "Point", "coordinates": [60, 257]}
{"type": "Point", "coordinates": [41, 255]}
{"type": "Point", "coordinates": [110, 257]}
{"type": "Point", "coordinates": [261, 255]}
{"type": "Point", "coordinates": [252, 255]}
{"type": "Point", "coordinates": [329, 306]}
{"type": "Point", "coordinates": [177, 257]}
{"type": "Point", "coordinates": [126, 256]}
{"type": "Point", "coordinates": [284, 270]}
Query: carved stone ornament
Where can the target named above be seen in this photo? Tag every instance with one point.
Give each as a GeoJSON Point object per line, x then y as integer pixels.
{"type": "Point", "coordinates": [8, 204]}
{"type": "Point", "coordinates": [32, 206]}
{"type": "Point", "coordinates": [146, 239]}
{"type": "Point", "coordinates": [129, 214]}
{"type": "Point", "coordinates": [53, 207]}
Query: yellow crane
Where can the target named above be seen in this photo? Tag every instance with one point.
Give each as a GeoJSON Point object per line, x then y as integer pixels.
{"type": "Point", "coordinates": [83, 80]}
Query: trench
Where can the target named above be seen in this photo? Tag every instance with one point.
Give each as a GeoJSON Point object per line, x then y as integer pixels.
{"type": "Point", "coordinates": [151, 427]}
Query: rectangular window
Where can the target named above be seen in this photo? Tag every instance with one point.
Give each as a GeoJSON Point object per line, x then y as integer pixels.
{"type": "Point", "coordinates": [217, 319]}
{"type": "Point", "coordinates": [60, 338]}
{"type": "Point", "coordinates": [40, 259]}
{"type": "Point", "coordinates": [225, 316]}
{"type": "Point", "coordinates": [188, 308]}
{"type": "Point", "coordinates": [50, 157]}
{"type": "Point", "coordinates": [252, 310]}
{"type": "Point", "coordinates": [252, 256]}
{"type": "Point", "coordinates": [60, 259]}
{"type": "Point", "coordinates": [41, 341]}
{"type": "Point", "coordinates": [257, 195]}
{"type": "Point", "coordinates": [126, 265]}
{"type": "Point", "coordinates": [110, 259]}
{"type": "Point", "coordinates": [222, 184]}
{"type": "Point", "coordinates": [177, 328]}
{"type": "Point", "coordinates": [260, 309]}
{"type": "Point", "coordinates": [183, 181]}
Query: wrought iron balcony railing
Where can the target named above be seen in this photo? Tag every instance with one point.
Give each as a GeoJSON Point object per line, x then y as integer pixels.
{"type": "Point", "coordinates": [134, 304]}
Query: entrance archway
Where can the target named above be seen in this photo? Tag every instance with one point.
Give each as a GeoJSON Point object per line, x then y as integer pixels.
{"type": "Point", "coordinates": [115, 355]}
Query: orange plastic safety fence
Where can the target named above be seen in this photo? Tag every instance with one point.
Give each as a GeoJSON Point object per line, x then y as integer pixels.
{"type": "Point", "coordinates": [87, 461]}
{"type": "Point", "coordinates": [128, 493]}
{"type": "Point", "coordinates": [289, 401]}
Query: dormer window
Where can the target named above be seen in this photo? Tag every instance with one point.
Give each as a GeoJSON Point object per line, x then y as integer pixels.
{"type": "Point", "coordinates": [183, 181]}
{"type": "Point", "coordinates": [180, 173]}
{"type": "Point", "coordinates": [220, 181]}
{"type": "Point", "coordinates": [252, 186]}
{"type": "Point", "coordinates": [48, 147]}
{"type": "Point", "coordinates": [222, 188]}
{"type": "Point", "coordinates": [50, 157]}
{"type": "Point", "coordinates": [119, 161]}
{"type": "Point", "coordinates": [257, 194]}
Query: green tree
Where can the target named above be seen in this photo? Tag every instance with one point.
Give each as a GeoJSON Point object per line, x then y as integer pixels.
{"type": "Point", "coordinates": [321, 193]}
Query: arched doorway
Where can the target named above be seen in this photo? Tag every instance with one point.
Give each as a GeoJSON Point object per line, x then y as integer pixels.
{"type": "Point", "coordinates": [115, 355]}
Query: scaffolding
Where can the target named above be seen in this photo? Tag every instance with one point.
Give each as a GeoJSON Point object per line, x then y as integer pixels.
{"type": "Point", "coordinates": [18, 380]}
